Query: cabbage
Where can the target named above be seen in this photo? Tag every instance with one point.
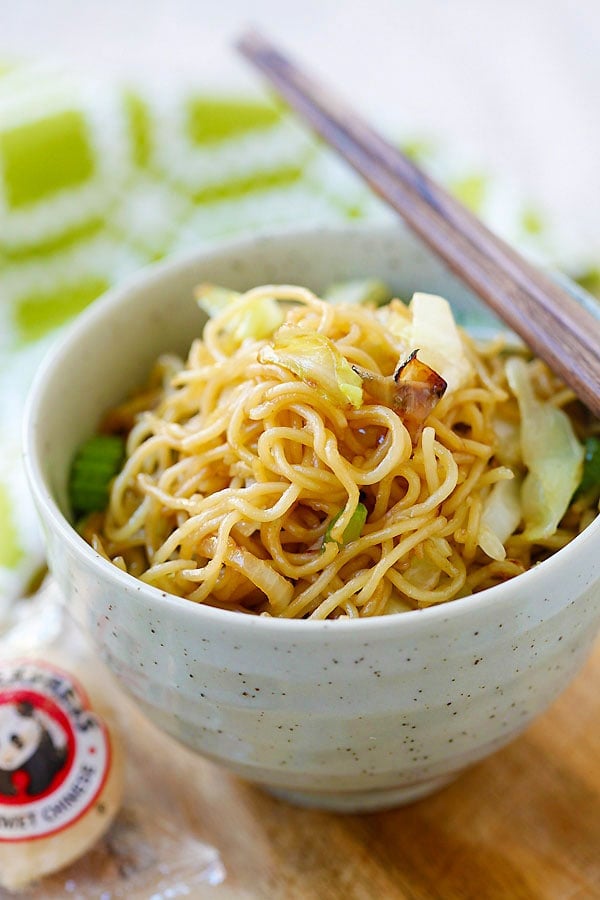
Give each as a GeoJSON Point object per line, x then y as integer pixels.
{"type": "Point", "coordinates": [434, 333]}
{"type": "Point", "coordinates": [508, 442]}
{"type": "Point", "coordinates": [551, 453]}
{"type": "Point", "coordinates": [395, 318]}
{"type": "Point", "coordinates": [315, 359]}
{"type": "Point", "coordinates": [422, 573]}
{"type": "Point", "coordinates": [397, 604]}
{"type": "Point", "coordinates": [359, 292]}
{"type": "Point", "coordinates": [256, 319]}
{"type": "Point", "coordinates": [213, 298]}
{"type": "Point", "coordinates": [428, 326]}
{"type": "Point", "coordinates": [500, 517]}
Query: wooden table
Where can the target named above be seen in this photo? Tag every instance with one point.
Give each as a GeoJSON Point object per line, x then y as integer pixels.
{"type": "Point", "coordinates": [523, 824]}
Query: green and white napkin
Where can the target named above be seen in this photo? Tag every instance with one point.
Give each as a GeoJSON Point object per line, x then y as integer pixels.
{"type": "Point", "coordinates": [98, 180]}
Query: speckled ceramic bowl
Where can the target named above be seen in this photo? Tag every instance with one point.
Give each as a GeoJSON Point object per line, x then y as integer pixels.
{"type": "Point", "coordinates": [342, 715]}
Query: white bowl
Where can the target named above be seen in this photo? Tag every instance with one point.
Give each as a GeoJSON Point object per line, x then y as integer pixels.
{"type": "Point", "coordinates": [346, 715]}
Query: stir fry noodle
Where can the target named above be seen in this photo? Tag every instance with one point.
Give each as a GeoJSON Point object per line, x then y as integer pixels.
{"type": "Point", "coordinates": [314, 459]}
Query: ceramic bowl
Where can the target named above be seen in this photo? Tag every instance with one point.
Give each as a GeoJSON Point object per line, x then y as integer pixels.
{"type": "Point", "coordinates": [346, 715]}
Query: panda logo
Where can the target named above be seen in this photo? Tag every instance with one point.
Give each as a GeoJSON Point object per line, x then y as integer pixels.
{"type": "Point", "coordinates": [33, 750]}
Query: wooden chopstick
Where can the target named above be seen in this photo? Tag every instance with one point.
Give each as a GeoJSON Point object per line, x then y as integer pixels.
{"type": "Point", "coordinates": [552, 322]}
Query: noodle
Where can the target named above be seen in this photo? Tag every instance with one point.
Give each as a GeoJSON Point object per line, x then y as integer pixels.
{"type": "Point", "coordinates": [244, 476]}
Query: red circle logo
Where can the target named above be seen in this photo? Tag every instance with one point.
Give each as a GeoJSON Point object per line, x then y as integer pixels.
{"type": "Point", "coordinates": [55, 751]}
{"type": "Point", "coordinates": [37, 746]}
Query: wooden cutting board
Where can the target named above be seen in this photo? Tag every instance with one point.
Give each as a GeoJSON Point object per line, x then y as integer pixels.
{"type": "Point", "coordinates": [523, 824]}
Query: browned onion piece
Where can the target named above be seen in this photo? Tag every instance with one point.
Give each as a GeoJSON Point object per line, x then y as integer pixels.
{"type": "Point", "coordinates": [412, 391]}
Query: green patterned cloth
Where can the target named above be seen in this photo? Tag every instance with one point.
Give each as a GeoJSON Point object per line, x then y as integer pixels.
{"type": "Point", "coordinates": [96, 181]}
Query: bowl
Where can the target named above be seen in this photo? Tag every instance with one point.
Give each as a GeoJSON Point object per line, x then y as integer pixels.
{"type": "Point", "coordinates": [343, 715]}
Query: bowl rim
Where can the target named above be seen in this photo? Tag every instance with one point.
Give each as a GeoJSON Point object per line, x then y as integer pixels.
{"type": "Point", "coordinates": [105, 570]}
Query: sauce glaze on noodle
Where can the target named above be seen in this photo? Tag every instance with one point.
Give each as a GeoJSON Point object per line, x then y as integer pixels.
{"type": "Point", "coordinates": [236, 468]}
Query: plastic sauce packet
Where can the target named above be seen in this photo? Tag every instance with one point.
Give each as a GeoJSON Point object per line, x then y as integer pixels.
{"type": "Point", "coordinates": [63, 724]}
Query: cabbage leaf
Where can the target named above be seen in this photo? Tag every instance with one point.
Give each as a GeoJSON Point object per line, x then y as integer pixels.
{"type": "Point", "coordinates": [359, 292]}
{"type": "Point", "coordinates": [256, 319]}
{"type": "Point", "coordinates": [500, 517]}
{"type": "Point", "coordinates": [551, 453]}
{"type": "Point", "coordinates": [435, 334]}
{"type": "Point", "coordinates": [315, 359]}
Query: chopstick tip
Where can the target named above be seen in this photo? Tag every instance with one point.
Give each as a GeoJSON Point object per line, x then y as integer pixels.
{"type": "Point", "coordinates": [249, 41]}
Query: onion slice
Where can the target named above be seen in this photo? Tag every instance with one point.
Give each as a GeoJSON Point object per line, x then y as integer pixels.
{"type": "Point", "coordinates": [412, 391]}
{"type": "Point", "coordinates": [277, 588]}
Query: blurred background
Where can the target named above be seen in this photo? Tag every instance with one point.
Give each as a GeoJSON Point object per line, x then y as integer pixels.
{"type": "Point", "coordinates": [130, 131]}
{"type": "Point", "coordinates": [513, 85]}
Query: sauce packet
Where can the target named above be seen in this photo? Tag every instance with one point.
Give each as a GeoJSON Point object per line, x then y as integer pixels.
{"type": "Point", "coordinates": [63, 777]}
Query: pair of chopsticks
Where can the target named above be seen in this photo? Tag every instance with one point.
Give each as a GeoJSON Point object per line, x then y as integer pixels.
{"type": "Point", "coordinates": [551, 321]}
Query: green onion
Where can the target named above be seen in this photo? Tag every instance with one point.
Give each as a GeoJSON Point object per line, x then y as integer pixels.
{"type": "Point", "coordinates": [96, 463]}
{"type": "Point", "coordinates": [352, 530]}
{"type": "Point", "coordinates": [591, 465]}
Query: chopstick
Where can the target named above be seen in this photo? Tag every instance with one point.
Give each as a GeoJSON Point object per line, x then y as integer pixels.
{"type": "Point", "coordinates": [551, 321]}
